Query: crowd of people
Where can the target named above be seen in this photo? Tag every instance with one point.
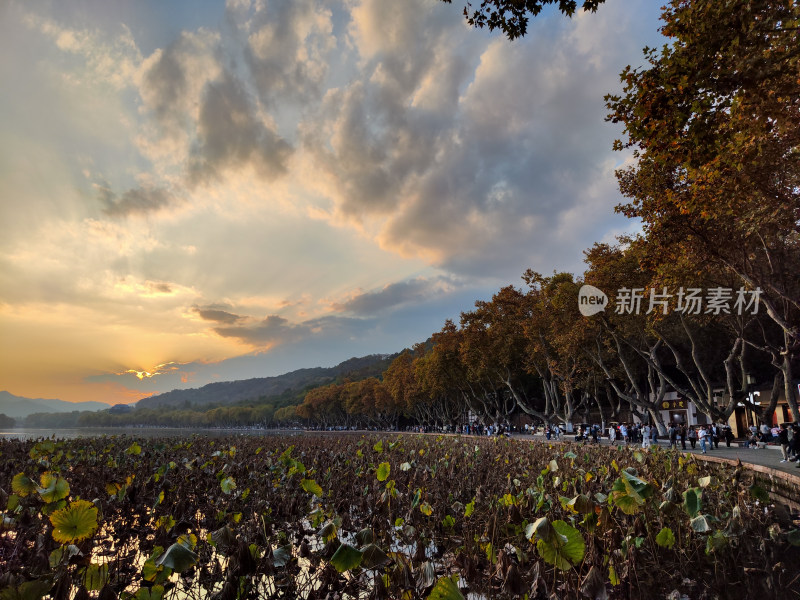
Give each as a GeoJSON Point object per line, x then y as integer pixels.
{"type": "Point", "coordinates": [706, 437]}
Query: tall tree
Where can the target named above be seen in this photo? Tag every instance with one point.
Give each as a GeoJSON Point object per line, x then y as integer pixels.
{"type": "Point", "coordinates": [713, 124]}
{"type": "Point", "coordinates": [493, 350]}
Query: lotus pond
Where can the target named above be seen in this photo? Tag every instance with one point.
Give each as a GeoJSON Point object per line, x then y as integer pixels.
{"type": "Point", "coordinates": [407, 517]}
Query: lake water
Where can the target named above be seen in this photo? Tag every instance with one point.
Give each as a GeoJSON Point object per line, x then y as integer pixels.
{"type": "Point", "coordinates": [22, 433]}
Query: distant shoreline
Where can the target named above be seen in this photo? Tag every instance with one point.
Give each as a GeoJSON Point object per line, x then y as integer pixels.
{"type": "Point", "coordinates": [29, 433]}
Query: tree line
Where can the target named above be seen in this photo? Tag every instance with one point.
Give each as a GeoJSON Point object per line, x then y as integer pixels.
{"type": "Point", "coordinates": [705, 300]}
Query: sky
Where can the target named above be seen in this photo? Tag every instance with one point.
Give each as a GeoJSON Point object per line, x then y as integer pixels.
{"type": "Point", "coordinates": [196, 191]}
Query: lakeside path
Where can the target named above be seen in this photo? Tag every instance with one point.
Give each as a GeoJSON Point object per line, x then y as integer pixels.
{"type": "Point", "coordinates": [763, 460]}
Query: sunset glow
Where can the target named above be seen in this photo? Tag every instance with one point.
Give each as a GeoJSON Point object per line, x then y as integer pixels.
{"type": "Point", "coordinates": [205, 192]}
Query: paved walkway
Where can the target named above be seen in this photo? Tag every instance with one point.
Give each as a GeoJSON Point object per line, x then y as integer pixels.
{"type": "Point", "coordinates": [768, 457]}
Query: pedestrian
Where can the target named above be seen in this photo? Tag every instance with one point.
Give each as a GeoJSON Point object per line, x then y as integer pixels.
{"type": "Point", "coordinates": [623, 432]}
{"type": "Point", "coordinates": [794, 440]}
{"type": "Point", "coordinates": [673, 436]}
{"type": "Point", "coordinates": [765, 431]}
{"type": "Point", "coordinates": [653, 435]}
{"type": "Point", "coordinates": [682, 435]}
{"type": "Point", "coordinates": [692, 435]}
{"type": "Point", "coordinates": [727, 434]}
{"type": "Point", "coordinates": [783, 440]}
{"type": "Point", "coordinates": [612, 434]}
{"type": "Point", "coordinates": [646, 436]}
{"type": "Point", "coordinates": [701, 435]}
{"type": "Point", "coordinates": [715, 432]}
{"type": "Point", "coordinates": [709, 437]}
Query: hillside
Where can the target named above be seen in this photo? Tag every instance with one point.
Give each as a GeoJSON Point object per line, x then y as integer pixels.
{"type": "Point", "coordinates": [232, 392]}
{"type": "Point", "coordinates": [19, 407]}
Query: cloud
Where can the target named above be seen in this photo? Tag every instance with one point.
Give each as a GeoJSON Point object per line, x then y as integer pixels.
{"type": "Point", "coordinates": [135, 201]}
{"type": "Point", "coordinates": [287, 48]}
{"type": "Point", "coordinates": [110, 59]}
{"type": "Point", "coordinates": [393, 295]}
{"type": "Point", "coordinates": [267, 332]}
{"type": "Point", "coordinates": [206, 122]}
{"type": "Point", "coordinates": [172, 81]}
{"type": "Point", "coordinates": [231, 136]}
{"type": "Point", "coordinates": [217, 314]}
{"type": "Point", "coordinates": [467, 150]}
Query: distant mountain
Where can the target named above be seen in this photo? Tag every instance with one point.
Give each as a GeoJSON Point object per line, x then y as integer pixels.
{"type": "Point", "coordinates": [231, 392]}
{"type": "Point", "coordinates": [19, 407]}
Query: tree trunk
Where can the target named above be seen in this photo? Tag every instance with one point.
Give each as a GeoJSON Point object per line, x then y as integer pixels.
{"type": "Point", "coordinates": [788, 384]}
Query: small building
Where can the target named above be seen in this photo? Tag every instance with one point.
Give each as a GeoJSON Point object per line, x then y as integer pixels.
{"type": "Point", "coordinates": [744, 416]}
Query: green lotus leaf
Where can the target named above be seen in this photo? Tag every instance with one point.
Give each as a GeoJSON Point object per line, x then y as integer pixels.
{"type": "Point", "coordinates": [188, 539]}
{"type": "Point", "coordinates": [365, 536]}
{"type": "Point", "coordinates": [178, 558]}
{"type": "Point", "coordinates": [373, 557]}
{"type": "Point", "coordinates": [75, 523]}
{"type": "Point", "coordinates": [328, 531]}
{"type": "Point", "coordinates": [22, 485]}
{"type": "Point", "coordinates": [642, 488]}
{"type": "Point", "coordinates": [312, 487]}
{"type": "Point", "coordinates": [716, 541]}
{"type": "Point", "coordinates": [53, 487]}
{"type": "Point", "coordinates": [153, 572]}
{"type": "Point", "coordinates": [383, 471]}
{"type": "Point", "coordinates": [30, 590]}
{"type": "Point", "coordinates": [346, 558]}
{"type": "Point", "coordinates": [582, 504]}
{"type": "Point", "coordinates": [563, 554]}
{"type": "Point", "coordinates": [228, 485]}
{"type": "Point", "coordinates": [62, 553]}
{"type": "Point", "coordinates": [692, 501]}
{"type": "Point", "coordinates": [446, 589]}
{"type": "Point", "coordinates": [49, 509]}
{"type": "Point", "coordinates": [665, 538]}
{"type": "Point", "coordinates": [224, 536]}
{"type": "Point", "coordinates": [152, 593]}
{"type": "Point", "coordinates": [543, 529]}
{"type": "Point", "coordinates": [95, 577]}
